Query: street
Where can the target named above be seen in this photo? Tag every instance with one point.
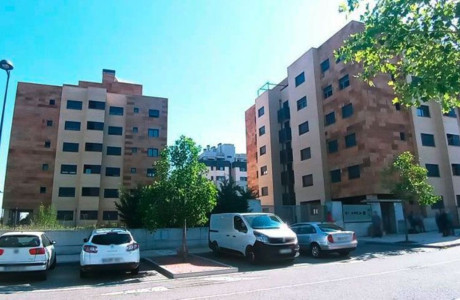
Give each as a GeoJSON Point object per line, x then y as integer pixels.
{"type": "Point", "coordinates": [372, 271]}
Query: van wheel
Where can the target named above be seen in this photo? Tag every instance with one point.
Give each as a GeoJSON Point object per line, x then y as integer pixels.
{"type": "Point", "coordinates": [315, 250]}
{"type": "Point", "coordinates": [251, 256]}
{"type": "Point", "coordinates": [215, 248]}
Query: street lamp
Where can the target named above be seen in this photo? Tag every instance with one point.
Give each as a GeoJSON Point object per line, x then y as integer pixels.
{"type": "Point", "coordinates": [7, 66]}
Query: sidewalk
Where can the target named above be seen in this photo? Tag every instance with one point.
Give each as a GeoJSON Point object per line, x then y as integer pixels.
{"type": "Point", "coordinates": [432, 239]}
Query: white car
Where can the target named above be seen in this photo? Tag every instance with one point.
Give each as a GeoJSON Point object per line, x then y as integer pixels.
{"type": "Point", "coordinates": [27, 252]}
{"type": "Point", "coordinates": [109, 249]}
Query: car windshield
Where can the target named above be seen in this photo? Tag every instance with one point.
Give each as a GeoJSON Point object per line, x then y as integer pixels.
{"type": "Point", "coordinates": [111, 238]}
{"type": "Point", "coordinates": [19, 241]}
{"type": "Point", "coordinates": [329, 227]}
{"type": "Point", "coordinates": [263, 221]}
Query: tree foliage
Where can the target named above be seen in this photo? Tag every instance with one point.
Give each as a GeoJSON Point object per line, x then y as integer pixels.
{"type": "Point", "coordinates": [46, 217]}
{"type": "Point", "coordinates": [417, 42]}
{"type": "Point", "coordinates": [129, 207]}
{"type": "Point", "coordinates": [232, 198]}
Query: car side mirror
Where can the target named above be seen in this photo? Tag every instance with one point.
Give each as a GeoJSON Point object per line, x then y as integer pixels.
{"type": "Point", "coordinates": [85, 240]}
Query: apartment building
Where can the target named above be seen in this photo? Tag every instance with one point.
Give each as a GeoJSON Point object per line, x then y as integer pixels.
{"type": "Point", "coordinates": [74, 146]}
{"type": "Point", "coordinates": [321, 135]}
{"type": "Point", "coordinates": [224, 163]}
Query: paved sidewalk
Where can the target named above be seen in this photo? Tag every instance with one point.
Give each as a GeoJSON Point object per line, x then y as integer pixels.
{"type": "Point", "coordinates": [432, 239]}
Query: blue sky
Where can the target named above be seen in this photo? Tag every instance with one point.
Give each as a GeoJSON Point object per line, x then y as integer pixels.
{"type": "Point", "coordinates": [208, 57]}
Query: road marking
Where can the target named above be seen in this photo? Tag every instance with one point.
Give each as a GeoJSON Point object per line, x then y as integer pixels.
{"type": "Point", "coordinates": [137, 291]}
{"type": "Point", "coordinates": [319, 282]}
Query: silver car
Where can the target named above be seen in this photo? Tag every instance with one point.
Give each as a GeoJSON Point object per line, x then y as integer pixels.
{"type": "Point", "coordinates": [27, 252]}
{"type": "Point", "coordinates": [318, 238]}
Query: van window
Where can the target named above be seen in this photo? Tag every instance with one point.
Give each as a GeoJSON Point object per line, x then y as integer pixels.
{"type": "Point", "coordinates": [239, 225]}
{"type": "Point", "coordinates": [263, 221]}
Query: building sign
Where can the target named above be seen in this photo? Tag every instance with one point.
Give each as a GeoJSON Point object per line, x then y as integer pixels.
{"type": "Point", "coordinates": [357, 213]}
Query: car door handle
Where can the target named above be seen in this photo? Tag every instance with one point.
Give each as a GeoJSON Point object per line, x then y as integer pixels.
{"type": "Point", "coordinates": [234, 236]}
{"type": "Point", "coordinates": [228, 234]}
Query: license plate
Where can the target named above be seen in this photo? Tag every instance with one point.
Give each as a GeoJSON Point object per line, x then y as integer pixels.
{"type": "Point", "coordinates": [285, 251]}
{"type": "Point", "coordinates": [342, 238]}
{"type": "Point", "coordinates": [110, 260]}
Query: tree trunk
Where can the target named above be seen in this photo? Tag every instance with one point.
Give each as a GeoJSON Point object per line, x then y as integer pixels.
{"type": "Point", "coordinates": [184, 249]}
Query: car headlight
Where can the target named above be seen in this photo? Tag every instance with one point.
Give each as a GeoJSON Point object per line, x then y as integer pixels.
{"type": "Point", "coordinates": [261, 237]}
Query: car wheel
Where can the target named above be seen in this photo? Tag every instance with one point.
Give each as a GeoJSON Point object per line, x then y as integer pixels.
{"type": "Point", "coordinates": [53, 264]}
{"type": "Point", "coordinates": [83, 274]}
{"type": "Point", "coordinates": [135, 271]}
{"type": "Point", "coordinates": [344, 253]}
{"type": "Point", "coordinates": [315, 250]}
{"type": "Point", "coordinates": [251, 255]}
{"type": "Point", "coordinates": [42, 275]}
{"type": "Point", "coordinates": [215, 248]}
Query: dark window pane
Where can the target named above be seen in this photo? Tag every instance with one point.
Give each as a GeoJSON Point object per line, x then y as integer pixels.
{"type": "Point", "coordinates": [66, 192]}
{"type": "Point", "coordinates": [115, 130]}
{"type": "Point", "coordinates": [152, 152]}
{"type": "Point", "coordinates": [110, 193]}
{"type": "Point", "coordinates": [88, 215]}
{"type": "Point", "coordinates": [93, 147]}
{"type": "Point", "coordinates": [111, 238]}
{"type": "Point", "coordinates": [261, 112]}
{"type": "Point", "coordinates": [305, 153]}
{"type": "Point", "coordinates": [303, 128]}
{"type": "Point", "coordinates": [70, 147]}
{"type": "Point", "coordinates": [113, 150]}
{"type": "Point", "coordinates": [91, 125]}
{"type": "Point", "coordinates": [154, 113]}
{"type": "Point", "coordinates": [350, 140]}
{"type": "Point", "coordinates": [96, 104]}
{"type": "Point", "coordinates": [332, 146]}
{"type": "Point", "coordinates": [456, 169]}
{"type": "Point", "coordinates": [329, 119]}
{"type": "Point", "coordinates": [71, 125]}
{"type": "Point", "coordinates": [64, 215]}
{"type": "Point", "coordinates": [354, 172]}
{"type": "Point", "coordinates": [299, 79]}
{"type": "Point", "coordinates": [263, 150]}
{"type": "Point", "coordinates": [433, 170]}
{"type": "Point", "coordinates": [90, 191]}
{"type": "Point", "coordinates": [52, 102]}
{"type": "Point", "coordinates": [136, 110]}
{"type": "Point", "coordinates": [45, 167]}
{"type": "Point", "coordinates": [451, 113]}
{"type": "Point", "coordinates": [154, 132]}
{"type": "Point", "coordinates": [49, 123]}
{"type": "Point", "coordinates": [325, 65]}
{"type": "Point", "coordinates": [43, 190]}
{"type": "Point", "coordinates": [402, 136]}
{"type": "Point", "coordinates": [92, 169]}
{"type": "Point", "coordinates": [69, 169]}
{"type": "Point", "coordinates": [347, 111]}
{"type": "Point", "coordinates": [423, 111]}
{"type": "Point", "coordinates": [135, 130]}
{"type": "Point", "coordinates": [264, 191]}
{"type": "Point", "coordinates": [112, 172]}
{"type": "Point", "coordinates": [73, 104]}
{"type": "Point", "coordinates": [301, 103]}
{"type": "Point", "coordinates": [263, 170]}
{"type": "Point", "coordinates": [47, 144]}
{"type": "Point", "coordinates": [428, 140]}
{"type": "Point", "coordinates": [110, 215]}
{"type": "Point", "coordinates": [115, 110]}
{"type": "Point", "coordinates": [150, 172]}
{"type": "Point", "coordinates": [307, 180]}
{"type": "Point", "coordinates": [453, 140]}
{"type": "Point", "coordinates": [261, 130]}
{"type": "Point", "coordinates": [133, 170]}
{"type": "Point", "coordinates": [336, 176]}
{"type": "Point", "coordinates": [327, 92]}
{"type": "Point", "coordinates": [344, 82]}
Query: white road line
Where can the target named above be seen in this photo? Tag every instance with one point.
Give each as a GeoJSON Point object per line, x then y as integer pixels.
{"type": "Point", "coordinates": [319, 282]}
{"type": "Point", "coordinates": [137, 291]}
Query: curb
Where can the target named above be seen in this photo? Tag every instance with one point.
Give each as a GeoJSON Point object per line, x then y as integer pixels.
{"type": "Point", "coordinates": [413, 244]}
{"type": "Point", "coordinates": [165, 271]}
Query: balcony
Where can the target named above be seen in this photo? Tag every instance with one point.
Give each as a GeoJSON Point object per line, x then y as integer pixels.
{"type": "Point", "coordinates": [285, 135]}
{"type": "Point", "coordinates": [284, 114]}
{"type": "Point", "coordinates": [286, 156]}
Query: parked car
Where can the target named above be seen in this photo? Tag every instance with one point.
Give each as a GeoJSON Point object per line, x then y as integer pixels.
{"type": "Point", "coordinates": [318, 238]}
{"type": "Point", "coordinates": [27, 252]}
{"type": "Point", "coordinates": [256, 236]}
{"type": "Point", "coordinates": [109, 249]}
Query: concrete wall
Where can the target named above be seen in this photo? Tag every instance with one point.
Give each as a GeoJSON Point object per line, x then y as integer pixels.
{"type": "Point", "coordinates": [70, 241]}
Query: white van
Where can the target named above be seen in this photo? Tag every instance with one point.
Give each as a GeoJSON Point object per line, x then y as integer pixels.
{"type": "Point", "coordinates": [257, 236]}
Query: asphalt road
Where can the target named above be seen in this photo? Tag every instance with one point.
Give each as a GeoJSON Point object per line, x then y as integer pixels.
{"type": "Point", "coordinates": [372, 272]}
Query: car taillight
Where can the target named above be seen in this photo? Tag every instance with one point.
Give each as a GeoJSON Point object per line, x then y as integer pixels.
{"type": "Point", "coordinates": [1, 251]}
{"type": "Point", "coordinates": [354, 236]}
{"type": "Point", "coordinates": [330, 239]}
{"type": "Point", "coordinates": [132, 247]}
{"type": "Point", "coordinates": [37, 251]}
{"type": "Point", "coordinates": [90, 249]}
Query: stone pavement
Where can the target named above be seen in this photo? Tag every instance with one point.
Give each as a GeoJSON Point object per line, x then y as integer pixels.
{"type": "Point", "coordinates": [432, 239]}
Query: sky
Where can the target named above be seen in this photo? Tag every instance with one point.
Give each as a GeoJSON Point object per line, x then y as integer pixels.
{"type": "Point", "coordinates": [208, 57]}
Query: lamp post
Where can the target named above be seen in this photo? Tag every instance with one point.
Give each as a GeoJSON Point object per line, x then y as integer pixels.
{"type": "Point", "coordinates": [7, 66]}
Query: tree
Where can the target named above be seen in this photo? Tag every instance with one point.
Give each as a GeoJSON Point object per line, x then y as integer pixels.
{"type": "Point", "coordinates": [46, 217]}
{"type": "Point", "coordinates": [232, 198]}
{"type": "Point", "coordinates": [182, 195]}
{"type": "Point", "coordinates": [408, 181]}
{"type": "Point", "coordinates": [129, 207]}
{"type": "Point", "coordinates": [417, 42]}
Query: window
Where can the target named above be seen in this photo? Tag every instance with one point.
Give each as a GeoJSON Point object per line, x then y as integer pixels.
{"type": "Point", "coordinates": [336, 176]}
{"type": "Point", "coordinates": [261, 112]}
{"type": "Point", "coordinates": [329, 119]}
{"type": "Point", "coordinates": [332, 146]}
{"type": "Point", "coordinates": [428, 140]}
{"type": "Point", "coordinates": [88, 215]}
{"type": "Point", "coordinates": [220, 178]}
{"type": "Point", "coordinates": [458, 200]}
{"type": "Point", "coordinates": [263, 150]}
{"type": "Point", "coordinates": [453, 140]}
{"type": "Point", "coordinates": [112, 172]}
{"type": "Point", "coordinates": [69, 169]}
{"type": "Point", "coordinates": [133, 170]}
{"type": "Point", "coordinates": [344, 82]}
{"type": "Point", "coordinates": [47, 144]}
{"type": "Point", "coordinates": [423, 111]}
{"type": "Point", "coordinates": [354, 172]}
{"type": "Point", "coordinates": [398, 106]}
{"type": "Point", "coordinates": [154, 113]}
{"type": "Point", "coordinates": [402, 136]}
{"type": "Point", "coordinates": [433, 170]}
{"type": "Point", "coordinates": [135, 130]}
{"type": "Point", "coordinates": [110, 215]}
{"type": "Point", "coordinates": [220, 168]}
{"type": "Point", "coordinates": [150, 172]}
{"type": "Point", "coordinates": [242, 178]}
{"type": "Point", "coordinates": [115, 130]}
{"type": "Point", "coordinates": [49, 123]}
{"type": "Point", "coordinates": [96, 104]}
{"type": "Point", "coordinates": [325, 65]}
{"type": "Point", "coordinates": [299, 79]}
{"type": "Point", "coordinates": [154, 132]}
{"type": "Point", "coordinates": [136, 110]}
{"type": "Point", "coordinates": [110, 193]}
{"type": "Point", "coordinates": [134, 150]}
{"type": "Point", "coordinates": [73, 104]}
{"type": "Point", "coordinates": [45, 167]}
{"type": "Point", "coordinates": [91, 169]}
{"type": "Point", "coordinates": [350, 140]}
{"type": "Point", "coordinates": [302, 103]}
{"type": "Point", "coordinates": [71, 125]}
{"type": "Point", "coordinates": [305, 153]}
{"type": "Point", "coordinates": [113, 150]}
{"type": "Point", "coordinates": [303, 128]}
{"type": "Point", "coordinates": [91, 125]}
{"type": "Point", "coordinates": [70, 147]}
{"type": "Point", "coordinates": [347, 111]}
{"type": "Point", "coordinates": [456, 169]}
{"type": "Point", "coordinates": [66, 192]}
{"type": "Point", "coordinates": [262, 131]}
{"type": "Point", "coordinates": [93, 147]}
{"type": "Point", "coordinates": [327, 91]}
{"type": "Point", "coordinates": [43, 190]}
{"type": "Point", "coordinates": [264, 191]}
{"type": "Point", "coordinates": [90, 191]}
{"type": "Point", "coordinates": [243, 169]}
{"type": "Point", "coordinates": [152, 152]}
{"type": "Point", "coordinates": [115, 110]}
{"type": "Point", "coordinates": [64, 215]}
{"type": "Point", "coordinates": [307, 180]}
{"type": "Point", "coordinates": [451, 113]}
{"type": "Point", "coordinates": [263, 170]}
{"type": "Point", "coordinates": [52, 102]}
